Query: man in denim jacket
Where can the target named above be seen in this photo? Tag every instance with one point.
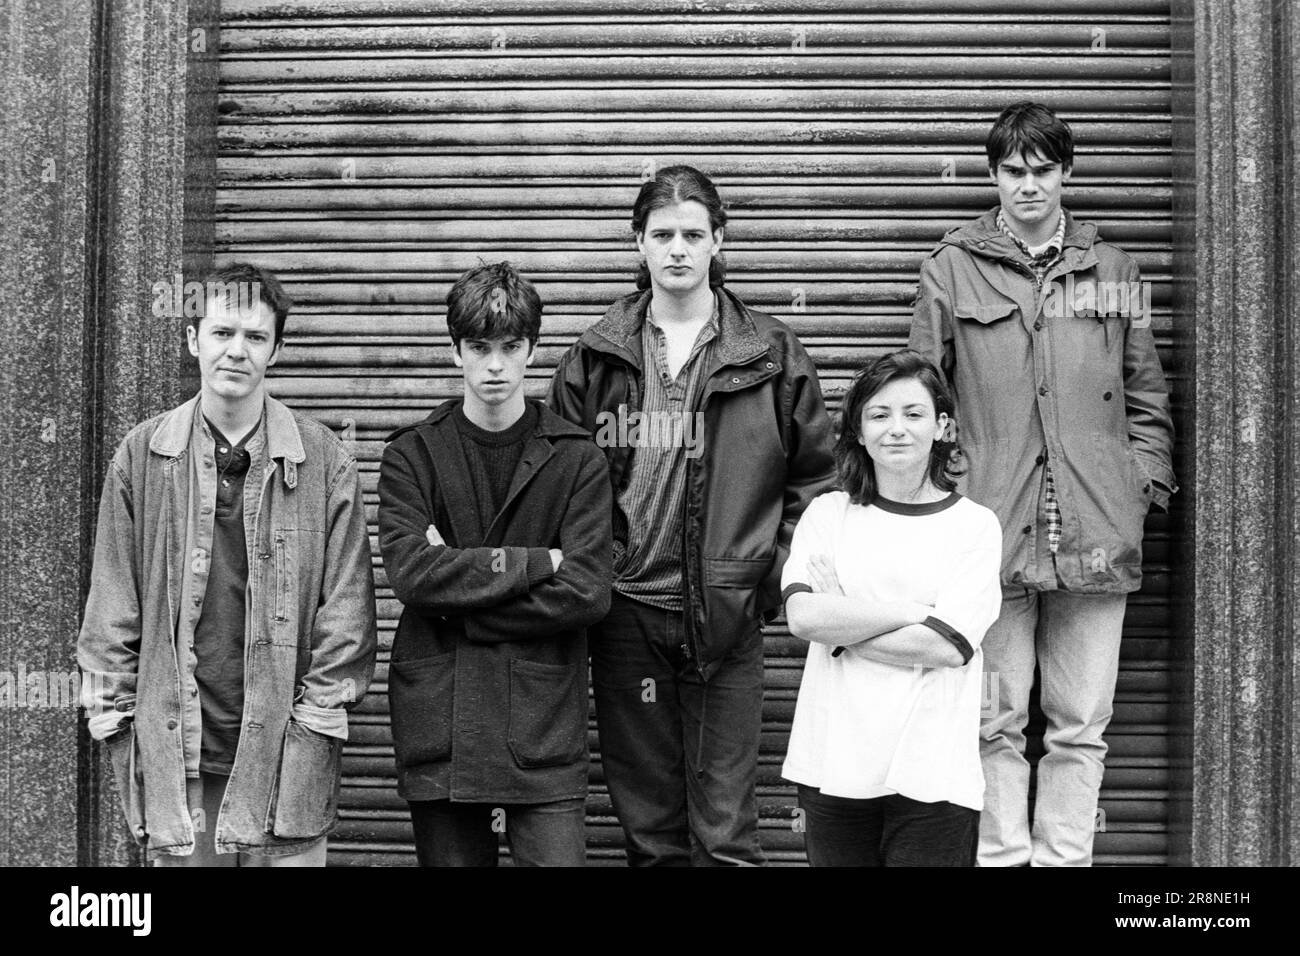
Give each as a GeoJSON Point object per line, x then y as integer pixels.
{"type": "Point", "coordinates": [231, 621]}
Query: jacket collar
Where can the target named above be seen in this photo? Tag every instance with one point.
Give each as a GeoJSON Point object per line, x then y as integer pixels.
{"type": "Point", "coordinates": [983, 237]}
{"type": "Point", "coordinates": [452, 470]}
{"type": "Point", "coordinates": [283, 440]}
{"type": "Point", "coordinates": [619, 332]}
{"type": "Point", "coordinates": [549, 424]}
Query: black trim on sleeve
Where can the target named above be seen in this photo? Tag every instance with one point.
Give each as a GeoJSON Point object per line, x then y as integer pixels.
{"type": "Point", "coordinates": [796, 588]}
{"type": "Point", "coordinates": [953, 637]}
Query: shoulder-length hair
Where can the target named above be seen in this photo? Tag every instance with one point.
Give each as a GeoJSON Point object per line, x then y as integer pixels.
{"type": "Point", "coordinates": [670, 186]}
{"type": "Point", "coordinates": [854, 468]}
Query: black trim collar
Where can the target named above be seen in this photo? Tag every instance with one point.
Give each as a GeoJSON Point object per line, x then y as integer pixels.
{"type": "Point", "coordinates": [925, 508]}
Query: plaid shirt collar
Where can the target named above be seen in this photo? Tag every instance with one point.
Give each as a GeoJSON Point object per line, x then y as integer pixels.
{"type": "Point", "coordinates": [1046, 252]}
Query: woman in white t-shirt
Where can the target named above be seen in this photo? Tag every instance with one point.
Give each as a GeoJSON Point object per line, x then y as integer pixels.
{"type": "Point", "coordinates": [893, 581]}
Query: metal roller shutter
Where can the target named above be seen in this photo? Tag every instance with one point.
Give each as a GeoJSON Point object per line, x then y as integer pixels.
{"type": "Point", "coordinates": [370, 152]}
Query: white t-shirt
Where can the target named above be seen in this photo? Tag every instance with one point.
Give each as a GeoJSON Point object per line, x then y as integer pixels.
{"type": "Point", "coordinates": [864, 729]}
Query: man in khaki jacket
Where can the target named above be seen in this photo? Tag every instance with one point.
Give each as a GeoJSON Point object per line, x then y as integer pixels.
{"type": "Point", "coordinates": [230, 624]}
{"type": "Point", "coordinates": [1043, 331]}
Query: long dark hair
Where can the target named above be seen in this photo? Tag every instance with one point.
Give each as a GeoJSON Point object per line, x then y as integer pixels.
{"type": "Point", "coordinates": [672, 185]}
{"type": "Point", "coordinates": [853, 466]}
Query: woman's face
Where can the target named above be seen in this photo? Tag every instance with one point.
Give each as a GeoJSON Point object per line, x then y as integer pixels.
{"type": "Point", "coordinates": [899, 427]}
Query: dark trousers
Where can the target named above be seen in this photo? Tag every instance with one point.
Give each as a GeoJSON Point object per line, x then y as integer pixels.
{"type": "Point", "coordinates": [680, 756]}
{"type": "Point", "coordinates": [887, 831]}
{"type": "Point", "coordinates": [468, 834]}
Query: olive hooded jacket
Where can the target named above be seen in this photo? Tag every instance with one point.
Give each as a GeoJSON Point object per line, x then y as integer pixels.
{"type": "Point", "coordinates": [1066, 374]}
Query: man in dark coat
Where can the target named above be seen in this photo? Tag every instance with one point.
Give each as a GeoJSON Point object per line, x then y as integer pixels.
{"type": "Point", "coordinates": [494, 525]}
{"type": "Point", "coordinates": [712, 419]}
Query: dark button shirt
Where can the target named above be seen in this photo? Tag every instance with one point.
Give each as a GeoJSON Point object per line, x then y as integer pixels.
{"type": "Point", "coordinates": [219, 633]}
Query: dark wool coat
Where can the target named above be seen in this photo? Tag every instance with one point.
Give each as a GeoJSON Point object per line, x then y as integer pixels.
{"type": "Point", "coordinates": [488, 680]}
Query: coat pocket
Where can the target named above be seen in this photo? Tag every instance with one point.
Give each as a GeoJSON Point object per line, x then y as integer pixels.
{"type": "Point", "coordinates": [548, 714]}
{"type": "Point", "coordinates": [305, 796]}
{"type": "Point", "coordinates": [123, 754]}
{"type": "Point", "coordinates": [984, 314]}
{"type": "Point", "coordinates": [420, 701]}
{"type": "Point", "coordinates": [1112, 506]}
{"type": "Point", "coordinates": [735, 572]}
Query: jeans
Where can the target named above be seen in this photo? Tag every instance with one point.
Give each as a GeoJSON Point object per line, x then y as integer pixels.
{"type": "Point", "coordinates": [886, 831]}
{"type": "Point", "coordinates": [1076, 640]}
{"type": "Point", "coordinates": [680, 756]}
{"type": "Point", "coordinates": [468, 834]}
{"type": "Point", "coordinates": [203, 795]}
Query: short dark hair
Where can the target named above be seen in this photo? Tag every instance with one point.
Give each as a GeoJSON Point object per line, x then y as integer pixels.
{"type": "Point", "coordinates": [855, 470]}
{"type": "Point", "coordinates": [240, 278]}
{"type": "Point", "coordinates": [672, 185]}
{"type": "Point", "coordinates": [1024, 128]}
{"type": "Point", "coordinates": [493, 302]}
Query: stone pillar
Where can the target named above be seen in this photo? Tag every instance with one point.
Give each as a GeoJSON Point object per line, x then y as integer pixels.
{"type": "Point", "coordinates": [1238, 100]}
{"type": "Point", "coordinates": [94, 145]}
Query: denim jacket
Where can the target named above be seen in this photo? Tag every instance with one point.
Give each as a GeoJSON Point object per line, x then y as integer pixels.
{"type": "Point", "coordinates": [310, 640]}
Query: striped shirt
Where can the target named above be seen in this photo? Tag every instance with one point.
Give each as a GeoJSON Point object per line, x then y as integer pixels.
{"type": "Point", "coordinates": [649, 569]}
{"type": "Point", "coordinates": [1042, 258]}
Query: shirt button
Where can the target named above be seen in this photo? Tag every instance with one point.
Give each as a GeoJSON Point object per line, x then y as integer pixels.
{"type": "Point", "coordinates": [1038, 460]}
{"type": "Point", "coordinates": [198, 601]}
{"type": "Point", "coordinates": [264, 556]}
{"type": "Point", "coordinates": [206, 509]}
{"type": "Point", "coordinates": [771, 365]}
{"type": "Point", "coordinates": [1106, 397]}
{"type": "Point", "coordinates": [222, 449]}
{"type": "Point", "coordinates": [1038, 326]}
{"type": "Point", "coordinates": [1028, 529]}
{"type": "Point", "coordinates": [735, 381]}
{"type": "Point", "coordinates": [225, 482]}
{"type": "Point", "coordinates": [208, 462]}
{"type": "Point", "coordinates": [1042, 390]}
{"type": "Point", "coordinates": [171, 723]}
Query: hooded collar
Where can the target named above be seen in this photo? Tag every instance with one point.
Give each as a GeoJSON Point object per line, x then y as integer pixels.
{"type": "Point", "coordinates": [983, 237]}
{"type": "Point", "coordinates": [172, 436]}
{"type": "Point", "coordinates": [619, 331]}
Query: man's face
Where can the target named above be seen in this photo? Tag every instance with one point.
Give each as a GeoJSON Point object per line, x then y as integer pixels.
{"type": "Point", "coordinates": [234, 347]}
{"type": "Point", "coordinates": [898, 426]}
{"type": "Point", "coordinates": [1029, 188]}
{"type": "Point", "coordinates": [678, 246]}
{"type": "Point", "coordinates": [494, 368]}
